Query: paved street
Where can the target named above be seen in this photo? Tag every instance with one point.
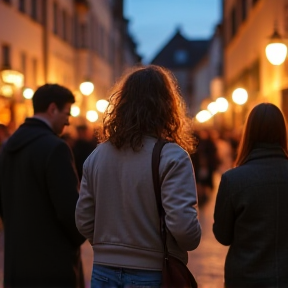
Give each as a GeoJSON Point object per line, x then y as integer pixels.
{"type": "Point", "coordinates": [206, 262]}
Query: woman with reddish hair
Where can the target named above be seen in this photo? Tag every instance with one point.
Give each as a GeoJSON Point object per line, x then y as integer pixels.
{"type": "Point", "coordinates": [117, 209]}
{"type": "Point", "coordinates": [251, 209]}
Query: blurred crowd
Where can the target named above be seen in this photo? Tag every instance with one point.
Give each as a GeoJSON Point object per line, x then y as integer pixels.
{"type": "Point", "coordinates": [215, 153]}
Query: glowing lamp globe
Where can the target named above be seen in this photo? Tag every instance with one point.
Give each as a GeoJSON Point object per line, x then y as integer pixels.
{"type": "Point", "coordinates": [203, 116]}
{"type": "Point", "coordinates": [101, 105]}
{"type": "Point", "coordinates": [276, 53]}
{"type": "Point", "coordinates": [239, 96]}
{"type": "Point", "coordinates": [276, 50]}
{"type": "Point", "coordinates": [86, 88]}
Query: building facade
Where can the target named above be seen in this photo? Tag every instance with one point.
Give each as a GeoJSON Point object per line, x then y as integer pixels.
{"type": "Point", "coordinates": [248, 25]}
{"type": "Point", "coordinates": [65, 42]}
{"type": "Point", "coordinates": [181, 56]}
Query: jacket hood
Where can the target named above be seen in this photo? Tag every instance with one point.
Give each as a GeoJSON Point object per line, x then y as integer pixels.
{"type": "Point", "coordinates": [28, 132]}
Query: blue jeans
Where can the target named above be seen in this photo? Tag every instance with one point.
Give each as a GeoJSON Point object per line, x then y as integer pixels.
{"type": "Point", "coordinates": [114, 277]}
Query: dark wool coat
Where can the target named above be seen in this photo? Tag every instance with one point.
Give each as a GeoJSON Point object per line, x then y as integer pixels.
{"type": "Point", "coordinates": [38, 195]}
{"type": "Point", "coordinates": [251, 215]}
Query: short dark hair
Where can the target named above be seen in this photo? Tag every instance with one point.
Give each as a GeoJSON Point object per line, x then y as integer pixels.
{"type": "Point", "coordinates": [265, 124]}
{"type": "Point", "coordinates": [51, 93]}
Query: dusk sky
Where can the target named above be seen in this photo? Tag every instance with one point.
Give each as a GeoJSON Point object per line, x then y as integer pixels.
{"type": "Point", "coordinates": [153, 22]}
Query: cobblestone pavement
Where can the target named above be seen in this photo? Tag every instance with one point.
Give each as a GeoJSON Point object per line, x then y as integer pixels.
{"type": "Point", "coordinates": [206, 262]}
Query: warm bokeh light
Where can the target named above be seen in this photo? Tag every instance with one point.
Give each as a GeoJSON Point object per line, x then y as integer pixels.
{"type": "Point", "coordinates": [28, 93]}
{"type": "Point", "coordinates": [92, 115]}
{"type": "Point", "coordinates": [212, 108]}
{"type": "Point", "coordinates": [239, 96]}
{"type": "Point", "coordinates": [78, 97]}
{"type": "Point", "coordinates": [276, 53]}
{"type": "Point", "coordinates": [12, 77]}
{"type": "Point", "coordinates": [75, 110]}
{"type": "Point", "coordinates": [101, 105]}
{"type": "Point", "coordinates": [6, 90]}
{"type": "Point", "coordinates": [222, 104]}
{"type": "Point", "coordinates": [203, 116]}
{"type": "Point", "coordinates": [86, 88]}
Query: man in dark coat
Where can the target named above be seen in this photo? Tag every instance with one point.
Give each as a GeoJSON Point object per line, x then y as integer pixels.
{"type": "Point", "coordinates": [38, 195]}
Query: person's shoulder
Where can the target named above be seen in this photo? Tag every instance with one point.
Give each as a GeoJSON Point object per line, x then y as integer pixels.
{"type": "Point", "coordinates": [236, 173]}
{"type": "Point", "coordinates": [175, 153]}
{"type": "Point", "coordinates": [174, 149]}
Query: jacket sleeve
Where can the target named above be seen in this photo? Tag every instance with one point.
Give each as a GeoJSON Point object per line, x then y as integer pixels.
{"type": "Point", "coordinates": [179, 197]}
{"type": "Point", "coordinates": [62, 184]}
{"type": "Point", "coordinates": [85, 209]}
{"type": "Point", "coordinates": [224, 216]}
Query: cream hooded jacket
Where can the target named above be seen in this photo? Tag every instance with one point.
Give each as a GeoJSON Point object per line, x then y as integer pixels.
{"type": "Point", "coordinates": [117, 210]}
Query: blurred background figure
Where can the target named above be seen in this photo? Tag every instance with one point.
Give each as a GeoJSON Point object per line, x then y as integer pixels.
{"type": "Point", "coordinates": [205, 162]}
{"type": "Point", "coordinates": [82, 146]}
{"type": "Point", "coordinates": [225, 151]}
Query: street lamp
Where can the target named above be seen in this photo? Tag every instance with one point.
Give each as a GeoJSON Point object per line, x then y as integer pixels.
{"type": "Point", "coordinates": [101, 105]}
{"type": "Point", "coordinates": [212, 108]}
{"type": "Point", "coordinates": [92, 115]}
{"type": "Point", "coordinates": [75, 110]}
{"type": "Point", "coordinates": [203, 116]}
{"type": "Point", "coordinates": [86, 87]}
{"type": "Point", "coordinates": [6, 90]}
{"type": "Point", "coordinates": [12, 77]}
{"type": "Point", "coordinates": [222, 104]}
{"type": "Point", "coordinates": [276, 50]}
{"type": "Point", "coordinates": [28, 93]}
{"type": "Point", "coordinates": [239, 96]}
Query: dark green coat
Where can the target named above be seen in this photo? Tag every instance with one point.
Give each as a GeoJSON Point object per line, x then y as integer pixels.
{"type": "Point", "coordinates": [38, 189]}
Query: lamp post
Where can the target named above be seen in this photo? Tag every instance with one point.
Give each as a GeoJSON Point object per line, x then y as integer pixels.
{"type": "Point", "coordinates": [276, 50]}
{"type": "Point", "coordinates": [101, 105]}
{"type": "Point", "coordinates": [86, 87]}
{"type": "Point", "coordinates": [92, 115]}
{"type": "Point", "coordinates": [239, 97]}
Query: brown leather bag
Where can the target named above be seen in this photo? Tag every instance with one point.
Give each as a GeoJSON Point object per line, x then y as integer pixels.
{"type": "Point", "coordinates": [175, 274]}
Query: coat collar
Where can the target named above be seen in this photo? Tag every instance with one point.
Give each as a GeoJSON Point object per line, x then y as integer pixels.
{"type": "Point", "coordinates": [266, 150]}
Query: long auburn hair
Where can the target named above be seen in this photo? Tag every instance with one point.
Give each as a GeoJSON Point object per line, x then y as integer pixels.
{"type": "Point", "coordinates": [266, 124]}
{"type": "Point", "coordinates": [147, 101]}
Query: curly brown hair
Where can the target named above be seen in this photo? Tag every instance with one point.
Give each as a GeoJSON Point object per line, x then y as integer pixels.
{"type": "Point", "coordinates": [147, 101]}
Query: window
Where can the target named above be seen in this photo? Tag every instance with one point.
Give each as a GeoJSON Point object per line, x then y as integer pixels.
{"type": "Point", "coordinates": [64, 25]}
{"type": "Point", "coordinates": [83, 36]}
{"type": "Point", "coordinates": [6, 56]}
{"type": "Point", "coordinates": [21, 6]}
{"type": "Point", "coordinates": [55, 18]}
{"type": "Point", "coordinates": [35, 70]}
{"type": "Point", "coordinates": [23, 63]}
{"type": "Point", "coordinates": [286, 18]}
{"type": "Point", "coordinates": [233, 22]}
{"type": "Point", "coordinates": [180, 56]}
{"type": "Point", "coordinates": [34, 9]}
{"type": "Point", "coordinates": [244, 10]}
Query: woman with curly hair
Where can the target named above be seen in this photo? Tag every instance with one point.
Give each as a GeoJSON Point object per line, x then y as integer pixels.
{"type": "Point", "coordinates": [117, 210]}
